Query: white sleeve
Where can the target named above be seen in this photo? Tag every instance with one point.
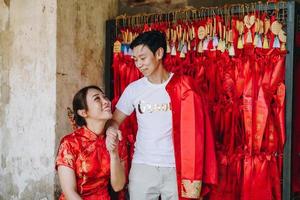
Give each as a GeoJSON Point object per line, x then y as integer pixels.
{"type": "Point", "coordinates": [125, 103]}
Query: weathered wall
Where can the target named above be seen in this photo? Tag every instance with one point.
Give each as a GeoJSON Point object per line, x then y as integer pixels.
{"type": "Point", "coordinates": [80, 52]}
{"type": "Point", "coordinates": [27, 98]}
{"type": "Point", "coordinates": [48, 50]}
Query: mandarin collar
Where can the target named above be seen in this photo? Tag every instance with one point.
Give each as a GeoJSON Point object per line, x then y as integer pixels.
{"type": "Point", "coordinates": [90, 135]}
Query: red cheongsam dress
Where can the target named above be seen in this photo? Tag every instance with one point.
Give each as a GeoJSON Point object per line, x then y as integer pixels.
{"type": "Point", "coordinates": [86, 153]}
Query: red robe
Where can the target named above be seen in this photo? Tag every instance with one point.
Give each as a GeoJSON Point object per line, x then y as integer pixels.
{"type": "Point", "coordinates": [86, 153]}
{"type": "Point", "coordinates": [194, 148]}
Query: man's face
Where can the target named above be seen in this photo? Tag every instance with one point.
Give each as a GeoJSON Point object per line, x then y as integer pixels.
{"type": "Point", "coordinates": [145, 60]}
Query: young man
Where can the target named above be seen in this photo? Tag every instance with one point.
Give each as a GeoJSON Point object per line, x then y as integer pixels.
{"type": "Point", "coordinates": [174, 138]}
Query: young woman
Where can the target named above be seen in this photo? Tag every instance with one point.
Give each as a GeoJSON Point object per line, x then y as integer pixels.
{"type": "Point", "coordinates": [87, 161]}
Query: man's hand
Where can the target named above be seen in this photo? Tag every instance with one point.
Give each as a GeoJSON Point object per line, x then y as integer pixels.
{"type": "Point", "coordinates": [113, 136]}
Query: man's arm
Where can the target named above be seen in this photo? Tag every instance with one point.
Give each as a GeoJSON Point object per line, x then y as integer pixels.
{"type": "Point", "coordinates": [117, 119]}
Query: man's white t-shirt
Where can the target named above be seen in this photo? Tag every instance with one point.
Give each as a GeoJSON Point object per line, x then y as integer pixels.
{"type": "Point", "coordinates": [154, 143]}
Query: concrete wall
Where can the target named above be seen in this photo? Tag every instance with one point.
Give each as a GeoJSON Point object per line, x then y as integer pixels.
{"type": "Point", "coordinates": [48, 50]}
{"type": "Point", "coordinates": [28, 98]}
{"type": "Point", "coordinates": [80, 52]}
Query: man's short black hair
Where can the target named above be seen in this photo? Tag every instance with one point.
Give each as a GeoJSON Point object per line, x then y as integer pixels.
{"type": "Point", "coordinates": [152, 39]}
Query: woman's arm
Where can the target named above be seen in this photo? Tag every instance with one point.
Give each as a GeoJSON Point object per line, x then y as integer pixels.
{"type": "Point", "coordinates": [117, 169]}
{"type": "Point", "coordinates": [67, 181]}
{"type": "Point", "coordinates": [117, 172]}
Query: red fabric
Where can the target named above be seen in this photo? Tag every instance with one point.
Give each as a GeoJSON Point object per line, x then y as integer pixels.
{"type": "Point", "coordinates": [86, 153]}
{"type": "Point", "coordinates": [192, 134]}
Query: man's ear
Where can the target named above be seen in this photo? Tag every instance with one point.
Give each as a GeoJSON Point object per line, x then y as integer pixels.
{"type": "Point", "coordinates": [82, 113]}
{"type": "Point", "coordinates": [159, 53]}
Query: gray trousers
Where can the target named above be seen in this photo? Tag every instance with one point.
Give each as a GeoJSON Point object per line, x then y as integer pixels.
{"type": "Point", "coordinates": [148, 182]}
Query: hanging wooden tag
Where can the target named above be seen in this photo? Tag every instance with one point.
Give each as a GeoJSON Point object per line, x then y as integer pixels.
{"type": "Point", "coordinates": [193, 31]}
{"type": "Point", "coordinates": [174, 38]}
{"type": "Point", "coordinates": [220, 30]}
{"type": "Point", "coordinates": [282, 36]}
{"type": "Point", "coordinates": [230, 36]}
{"type": "Point", "coordinates": [190, 33]}
{"type": "Point", "coordinates": [261, 27]}
{"type": "Point", "coordinates": [184, 36]}
{"type": "Point", "coordinates": [238, 25]}
{"type": "Point", "coordinates": [256, 26]}
{"type": "Point", "coordinates": [201, 32]}
{"type": "Point", "coordinates": [130, 37]}
{"type": "Point", "coordinates": [276, 27]}
{"type": "Point", "coordinates": [126, 36]}
{"type": "Point", "coordinates": [179, 32]}
{"type": "Point", "coordinates": [167, 34]}
{"type": "Point", "coordinates": [189, 45]}
{"type": "Point", "coordinates": [249, 21]}
{"type": "Point", "coordinates": [200, 47]}
{"type": "Point", "coordinates": [117, 47]}
{"type": "Point", "coordinates": [214, 26]}
{"type": "Point", "coordinates": [241, 30]}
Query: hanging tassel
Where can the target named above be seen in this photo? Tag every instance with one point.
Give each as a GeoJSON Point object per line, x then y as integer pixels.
{"type": "Point", "coordinates": [189, 46]}
{"type": "Point", "coordinates": [125, 49]}
{"type": "Point", "coordinates": [276, 43]}
{"type": "Point", "coordinates": [184, 48]}
{"type": "Point", "coordinates": [255, 41]}
{"type": "Point", "coordinates": [249, 37]}
{"type": "Point", "coordinates": [168, 48]}
{"type": "Point", "coordinates": [231, 50]}
{"type": "Point", "coordinates": [173, 50]}
{"type": "Point", "coordinates": [180, 46]}
{"type": "Point", "coordinates": [182, 55]}
{"type": "Point", "coordinates": [200, 47]}
{"type": "Point", "coordinates": [240, 43]}
{"type": "Point", "coordinates": [221, 46]}
{"type": "Point", "coordinates": [215, 42]}
{"type": "Point", "coordinates": [259, 42]}
{"type": "Point", "coordinates": [205, 44]}
{"type": "Point", "coordinates": [130, 52]}
{"type": "Point", "coordinates": [266, 43]}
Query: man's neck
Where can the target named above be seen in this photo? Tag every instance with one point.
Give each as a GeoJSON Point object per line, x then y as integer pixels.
{"type": "Point", "coordinates": [159, 77]}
